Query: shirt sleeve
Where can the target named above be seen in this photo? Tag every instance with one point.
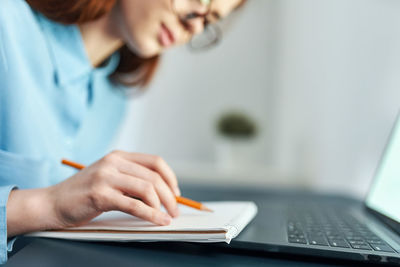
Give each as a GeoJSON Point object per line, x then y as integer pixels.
{"type": "Point", "coordinates": [5, 245]}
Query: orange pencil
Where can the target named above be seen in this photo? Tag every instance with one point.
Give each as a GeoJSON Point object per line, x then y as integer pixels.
{"type": "Point", "coordinates": [191, 203]}
{"type": "Point", "coordinates": [181, 200]}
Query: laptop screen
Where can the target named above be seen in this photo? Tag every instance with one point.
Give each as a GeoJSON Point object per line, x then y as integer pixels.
{"type": "Point", "coordinates": [384, 196]}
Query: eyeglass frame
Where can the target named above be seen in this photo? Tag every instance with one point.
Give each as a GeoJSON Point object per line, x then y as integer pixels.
{"type": "Point", "coordinates": [208, 27]}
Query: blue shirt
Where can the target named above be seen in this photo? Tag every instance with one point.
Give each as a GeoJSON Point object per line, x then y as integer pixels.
{"type": "Point", "coordinates": [53, 103]}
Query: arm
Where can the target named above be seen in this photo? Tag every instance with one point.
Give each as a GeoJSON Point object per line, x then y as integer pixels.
{"type": "Point", "coordinates": [5, 246]}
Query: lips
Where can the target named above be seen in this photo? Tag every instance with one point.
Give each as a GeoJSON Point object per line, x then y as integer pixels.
{"type": "Point", "coordinates": [165, 37]}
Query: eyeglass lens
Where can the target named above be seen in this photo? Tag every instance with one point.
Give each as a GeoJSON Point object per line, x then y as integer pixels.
{"type": "Point", "coordinates": [191, 9]}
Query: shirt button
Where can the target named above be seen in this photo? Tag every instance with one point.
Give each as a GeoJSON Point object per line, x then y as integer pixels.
{"type": "Point", "coordinates": [68, 142]}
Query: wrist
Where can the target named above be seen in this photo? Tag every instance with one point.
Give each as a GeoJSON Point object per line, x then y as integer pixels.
{"type": "Point", "coordinates": [30, 210]}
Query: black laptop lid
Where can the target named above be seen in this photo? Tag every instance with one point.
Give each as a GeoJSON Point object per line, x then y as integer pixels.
{"type": "Point", "coordinates": [384, 196]}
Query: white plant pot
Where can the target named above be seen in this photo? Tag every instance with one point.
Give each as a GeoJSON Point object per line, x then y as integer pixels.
{"type": "Point", "coordinates": [234, 153]}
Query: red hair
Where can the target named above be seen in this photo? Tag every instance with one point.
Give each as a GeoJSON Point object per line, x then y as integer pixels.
{"type": "Point", "coordinates": [132, 70]}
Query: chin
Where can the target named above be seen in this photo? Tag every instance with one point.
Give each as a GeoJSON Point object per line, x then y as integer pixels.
{"type": "Point", "coordinates": [146, 49]}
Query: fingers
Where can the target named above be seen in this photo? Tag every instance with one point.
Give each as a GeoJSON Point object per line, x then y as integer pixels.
{"type": "Point", "coordinates": [146, 178]}
{"type": "Point", "coordinates": [156, 164]}
{"type": "Point", "coordinates": [139, 209]}
{"type": "Point", "coordinates": [153, 179]}
{"type": "Point", "coordinates": [138, 188]}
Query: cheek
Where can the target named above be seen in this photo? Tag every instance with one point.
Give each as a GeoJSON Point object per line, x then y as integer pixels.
{"type": "Point", "coordinates": [143, 42]}
{"type": "Point", "coordinates": [139, 24]}
{"type": "Point", "coordinates": [139, 28]}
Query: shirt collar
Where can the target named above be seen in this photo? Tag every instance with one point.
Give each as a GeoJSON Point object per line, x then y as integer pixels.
{"type": "Point", "coordinates": [68, 52]}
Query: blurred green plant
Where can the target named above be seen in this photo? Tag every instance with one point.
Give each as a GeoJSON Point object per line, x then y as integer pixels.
{"type": "Point", "coordinates": [236, 125]}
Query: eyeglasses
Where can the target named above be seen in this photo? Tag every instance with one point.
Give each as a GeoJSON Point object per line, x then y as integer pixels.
{"type": "Point", "coordinates": [187, 10]}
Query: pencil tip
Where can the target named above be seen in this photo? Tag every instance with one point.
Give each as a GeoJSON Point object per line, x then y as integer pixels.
{"type": "Point", "coordinates": [206, 209]}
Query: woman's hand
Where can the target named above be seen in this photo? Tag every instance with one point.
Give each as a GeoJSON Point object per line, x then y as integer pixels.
{"type": "Point", "coordinates": [133, 183]}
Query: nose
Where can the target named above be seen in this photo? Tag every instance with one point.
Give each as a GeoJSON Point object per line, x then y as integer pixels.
{"type": "Point", "coordinates": [195, 25]}
{"type": "Point", "coordinates": [192, 14]}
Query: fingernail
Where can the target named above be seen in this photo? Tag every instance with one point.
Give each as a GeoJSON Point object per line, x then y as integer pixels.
{"type": "Point", "coordinates": [175, 212]}
{"type": "Point", "coordinates": [177, 191]}
{"type": "Point", "coordinates": [166, 219]}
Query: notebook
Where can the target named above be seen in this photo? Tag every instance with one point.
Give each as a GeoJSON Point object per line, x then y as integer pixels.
{"type": "Point", "coordinates": [222, 225]}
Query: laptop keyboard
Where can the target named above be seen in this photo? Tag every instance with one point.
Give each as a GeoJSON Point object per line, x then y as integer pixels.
{"type": "Point", "coordinates": [322, 228]}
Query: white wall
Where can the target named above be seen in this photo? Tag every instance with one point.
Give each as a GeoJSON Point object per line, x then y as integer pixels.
{"type": "Point", "coordinates": [320, 76]}
{"type": "Point", "coordinates": [337, 87]}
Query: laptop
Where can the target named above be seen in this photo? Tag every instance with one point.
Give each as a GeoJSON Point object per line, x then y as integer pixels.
{"type": "Point", "coordinates": [333, 226]}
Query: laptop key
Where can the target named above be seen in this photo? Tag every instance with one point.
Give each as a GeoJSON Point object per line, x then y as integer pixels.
{"type": "Point", "coordinates": [377, 242]}
{"type": "Point", "coordinates": [383, 248]}
{"type": "Point", "coordinates": [374, 238]}
{"type": "Point", "coordinates": [354, 238]}
{"type": "Point", "coordinates": [335, 237]}
{"type": "Point", "coordinates": [356, 242]}
{"type": "Point", "coordinates": [297, 240]}
{"type": "Point", "coordinates": [363, 246]}
{"type": "Point", "coordinates": [296, 232]}
{"type": "Point", "coordinates": [318, 241]}
{"type": "Point", "coordinates": [338, 243]}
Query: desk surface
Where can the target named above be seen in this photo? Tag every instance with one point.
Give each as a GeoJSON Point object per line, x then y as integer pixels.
{"type": "Point", "coordinates": [47, 252]}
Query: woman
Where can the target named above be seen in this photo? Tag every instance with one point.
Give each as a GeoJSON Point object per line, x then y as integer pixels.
{"type": "Point", "coordinates": [63, 69]}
